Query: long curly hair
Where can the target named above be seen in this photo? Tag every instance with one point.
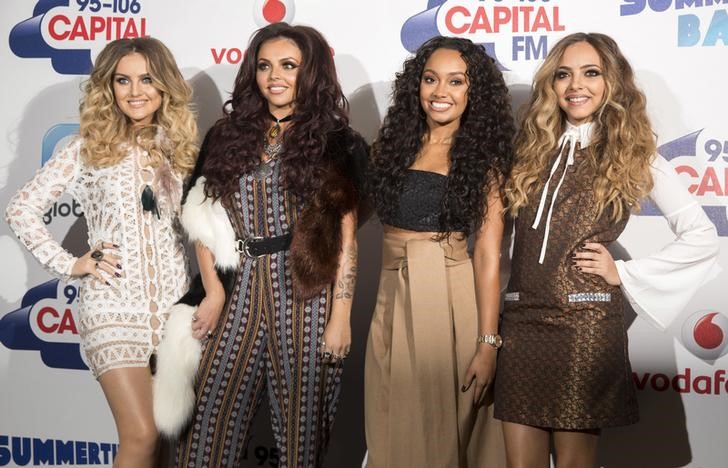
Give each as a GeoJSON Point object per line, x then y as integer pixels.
{"type": "Point", "coordinates": [623, 144]}
{"type": "Point", "coordinates": [481, 151]}
{"type": "Point", "coordinates": [235, 143]}
{"type": "Point", "coordinates": [104, 127]}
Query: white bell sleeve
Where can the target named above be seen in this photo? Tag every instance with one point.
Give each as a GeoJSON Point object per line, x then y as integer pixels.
{"type": "Point", "coordinates": [661, 285]}
{"type": "Point", "coordinates": [24, 213]}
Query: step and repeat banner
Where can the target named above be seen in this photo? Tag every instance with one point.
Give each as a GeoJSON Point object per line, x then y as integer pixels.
{"type": "Point", "coordinates": [52, 412]}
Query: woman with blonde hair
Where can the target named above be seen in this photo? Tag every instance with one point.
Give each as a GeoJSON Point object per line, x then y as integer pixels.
{"type": "Point", "coordinates": [137, 144]}
{"type": "Point", "coordinates": [585, 157]}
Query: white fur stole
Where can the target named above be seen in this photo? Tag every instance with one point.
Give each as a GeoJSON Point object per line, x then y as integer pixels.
{"type": "Point", "coordinates": [178, 357]}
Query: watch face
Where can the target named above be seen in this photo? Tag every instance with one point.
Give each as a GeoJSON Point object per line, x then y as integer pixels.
{"type": "Point", "coordinates": [498, 341]}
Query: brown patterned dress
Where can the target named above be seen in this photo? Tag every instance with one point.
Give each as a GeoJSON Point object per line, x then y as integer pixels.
{"type": "Point", "coordinates": [564, 362]}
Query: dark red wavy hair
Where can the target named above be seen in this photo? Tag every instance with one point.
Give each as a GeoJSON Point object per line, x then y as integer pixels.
{"type": "Point", "coordinates": [234, 144]}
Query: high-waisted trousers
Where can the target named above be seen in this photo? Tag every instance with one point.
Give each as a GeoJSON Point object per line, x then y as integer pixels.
{"type": "Point", "coordinates": [421, 340]}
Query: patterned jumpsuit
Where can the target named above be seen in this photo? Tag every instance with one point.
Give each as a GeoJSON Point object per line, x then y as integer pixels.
{"type": "Point", "coordinates": [266, 342]}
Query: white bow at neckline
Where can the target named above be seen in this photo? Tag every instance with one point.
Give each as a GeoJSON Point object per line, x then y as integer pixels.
{"type": "Point", "coordinates": [572, 135]}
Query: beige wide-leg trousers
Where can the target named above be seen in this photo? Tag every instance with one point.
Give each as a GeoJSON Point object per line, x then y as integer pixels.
{"type": "Point", "coordinates": [421, 340]}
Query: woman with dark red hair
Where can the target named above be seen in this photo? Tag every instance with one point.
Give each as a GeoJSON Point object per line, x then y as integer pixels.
{"type": "Point", "coordinates": [272, 211]}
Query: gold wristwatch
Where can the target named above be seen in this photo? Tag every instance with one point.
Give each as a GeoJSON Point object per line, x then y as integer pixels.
{"type": "Point", "coordinates": [492, 339]}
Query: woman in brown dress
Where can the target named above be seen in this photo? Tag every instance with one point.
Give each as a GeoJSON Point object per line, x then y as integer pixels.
{"type": "Point", "coordinates": [585, 157]}
{"type": "Point", "coordinates": [436, 177]}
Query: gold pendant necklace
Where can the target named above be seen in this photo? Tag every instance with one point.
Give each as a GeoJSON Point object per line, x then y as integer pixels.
{"type": "Point", "coordinates": [275, 130]}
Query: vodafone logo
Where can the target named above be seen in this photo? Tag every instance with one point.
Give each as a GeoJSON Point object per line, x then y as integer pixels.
{"type": "Point", "coordinates": [266, 12]}
{"type": "Point", "coordinates": [705, 334]}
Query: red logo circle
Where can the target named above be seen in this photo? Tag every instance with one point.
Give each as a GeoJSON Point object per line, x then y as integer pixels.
{"type": "Point", "coordinates": [704, 334]}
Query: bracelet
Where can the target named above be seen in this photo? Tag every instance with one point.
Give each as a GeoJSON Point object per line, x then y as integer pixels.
{"type": "Point", "coordinates": [492, 339]}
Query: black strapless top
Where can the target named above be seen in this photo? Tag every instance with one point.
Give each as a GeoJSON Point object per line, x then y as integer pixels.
{"type": "Point", "coordinates": [420, 203]}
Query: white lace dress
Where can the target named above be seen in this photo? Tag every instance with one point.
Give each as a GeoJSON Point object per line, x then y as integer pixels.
{"type": "Point", "coordinates": [120, 324]}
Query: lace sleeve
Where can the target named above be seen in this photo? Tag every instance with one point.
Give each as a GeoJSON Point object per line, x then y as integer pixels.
{"type": "Point", "coordinates": [24, 213]}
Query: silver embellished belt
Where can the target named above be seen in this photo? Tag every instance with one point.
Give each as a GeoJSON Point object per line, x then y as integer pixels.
{"type": "Point", "coordinates": [575, 297]}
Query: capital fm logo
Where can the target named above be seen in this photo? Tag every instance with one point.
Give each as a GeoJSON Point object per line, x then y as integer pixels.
{"type": "Point", "coordinates": [511, 31]}
{"type": "Point", "coordinates": [701, 160]}
{"type": "Point", "coordinates": [699, 23]}
{"type": "Point", "coordinates": [46, 322]}
{"type": "Point", "coordinates": [66, 31]}
{"type": "Point", "coordinates": [705, 334]}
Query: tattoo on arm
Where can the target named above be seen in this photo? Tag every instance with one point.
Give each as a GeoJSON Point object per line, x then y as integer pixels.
{"type": "Point", "coordinates": [347, 276]}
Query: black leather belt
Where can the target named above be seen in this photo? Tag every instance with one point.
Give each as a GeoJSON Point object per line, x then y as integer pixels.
{"type": "Point", "coordinates": [254, 246]}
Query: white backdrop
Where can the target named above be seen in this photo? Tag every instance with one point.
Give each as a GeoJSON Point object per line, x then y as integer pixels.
{"type": "Point", "coordinates": [52, 412]}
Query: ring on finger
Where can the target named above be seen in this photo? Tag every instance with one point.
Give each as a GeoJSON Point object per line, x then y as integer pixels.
{"type": "Point", "coordinates": [327, 355]}
{"type": "Point", "coordinates": [97, 255]}
{"type": "Point", "coordinates": [209, 333]}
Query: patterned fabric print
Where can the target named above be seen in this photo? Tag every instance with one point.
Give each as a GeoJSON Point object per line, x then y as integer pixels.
{"type": "Point", "coordinates": [267, 344]}
{"type": "Point", "coordinates": [119, 323]}
{"type": "Point", "coordinates": [564, 363]}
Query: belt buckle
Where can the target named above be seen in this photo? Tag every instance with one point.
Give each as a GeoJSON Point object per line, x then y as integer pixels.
{"type": "Point", "coordinates": [243, 246]}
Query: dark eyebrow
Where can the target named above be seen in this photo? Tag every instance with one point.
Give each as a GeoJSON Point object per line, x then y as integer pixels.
{"type": "Point", "coordinates": [284, 59]}
{"type": "Point", "coordinates": [564, 67]}
{"type": "Point", "coordinates": [449, 73]}
{"type": "Point", "coordinates": [121, 75]}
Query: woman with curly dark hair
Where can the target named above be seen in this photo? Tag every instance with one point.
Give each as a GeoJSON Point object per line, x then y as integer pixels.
{"type": "Point", "coordinates": [436, 176]}
{"type": "Point", "coordinates": [273, 215]}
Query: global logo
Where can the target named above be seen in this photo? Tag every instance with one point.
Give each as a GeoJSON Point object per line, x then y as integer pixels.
{"type": "Point", "coordinates": [266, 12]}
{"type": "Point", "coordinates": [53, 137]}
{"type": "Point", "coordinates": [46, 322]}
{"type": "Point", "coordinates": [705, 335]}
{"type": "Point", "coordinates": [68, 32]}
{"type": "Point", "coordinates": [512, 32]}
{"type": "Point", "coordinates": [700, 159]}
{"type": "Point", "coordinates": [56, 136]}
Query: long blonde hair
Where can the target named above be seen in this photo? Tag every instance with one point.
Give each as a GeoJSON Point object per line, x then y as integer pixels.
{"type": "Point", "coordinates": [105, 129]}
{"type": "Point", "coordinates": [623, 144]}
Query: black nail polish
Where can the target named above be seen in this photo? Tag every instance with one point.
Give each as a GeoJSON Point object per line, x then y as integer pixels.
{"type": "Point", "coordinates": [107, 283]}
{"type": "Point", "coordinates": [118, 275]}
{"type": "Point", "coordinates": [118, 265]}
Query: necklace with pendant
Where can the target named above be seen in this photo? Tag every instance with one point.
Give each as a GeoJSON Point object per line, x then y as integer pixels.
{"type": "Point", "coordinates": [275, 130]}
{"type": "Point", "coordinates": [265, 168]}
